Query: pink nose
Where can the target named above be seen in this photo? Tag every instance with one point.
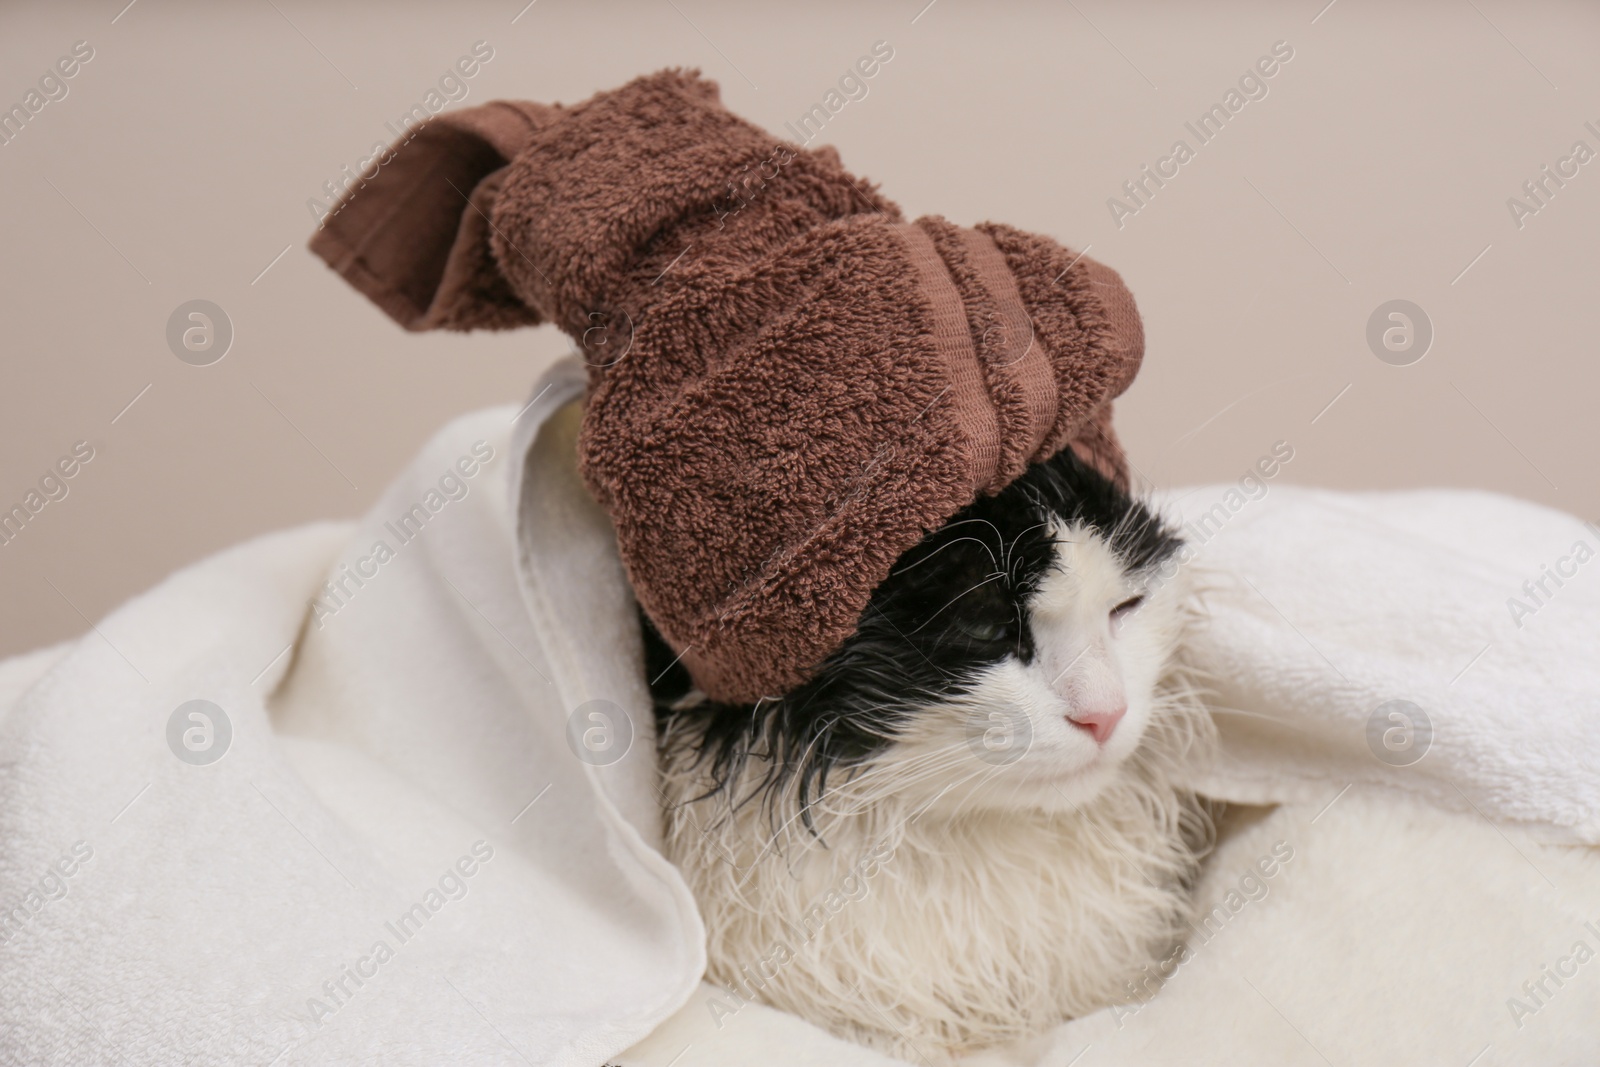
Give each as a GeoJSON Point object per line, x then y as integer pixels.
{"type": "Point", "coordinates": [1100, 722]}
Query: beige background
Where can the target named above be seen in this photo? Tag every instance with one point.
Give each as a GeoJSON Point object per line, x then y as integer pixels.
{"type": "Point", "coordinates": [1377, 167]}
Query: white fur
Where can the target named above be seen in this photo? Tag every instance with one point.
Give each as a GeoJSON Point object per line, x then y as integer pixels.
{"type": "Point", "coordinates": [952, 899]}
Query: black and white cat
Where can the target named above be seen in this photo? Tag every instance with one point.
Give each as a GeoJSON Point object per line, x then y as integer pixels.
{"type": "Point", "coordinates": [965, 828]}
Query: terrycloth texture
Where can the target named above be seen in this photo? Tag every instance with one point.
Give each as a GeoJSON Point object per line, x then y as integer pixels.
{"type": "Point", "coordinates": [789, 385]}
{"type": "Point", "coordinates": [1327, 608]}
{"type": "Point", "coordinates": [415, 238]}
{"type": "Point", "coordinates": [384, 729]}
{"type": "Point", "coordinates": [231, 913]}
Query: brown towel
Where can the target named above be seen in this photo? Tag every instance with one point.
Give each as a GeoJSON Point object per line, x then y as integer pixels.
{"type": "Point", "coordinates": [789, 384]}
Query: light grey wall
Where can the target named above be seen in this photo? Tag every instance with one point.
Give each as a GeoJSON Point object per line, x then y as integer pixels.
{"type": "Point", "coordinates": [1377, 166]}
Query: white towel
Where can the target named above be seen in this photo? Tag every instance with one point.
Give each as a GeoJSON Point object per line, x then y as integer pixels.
{"type": "Point", "coordinates": [233, 912]}
{"type": "Point", "coordinates": [1335, 618]}
{"type": "Point", "coordinates": [432, 836]}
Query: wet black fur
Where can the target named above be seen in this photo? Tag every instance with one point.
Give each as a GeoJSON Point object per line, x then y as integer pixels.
{"type": "Point", "coordinates": [952, 606]}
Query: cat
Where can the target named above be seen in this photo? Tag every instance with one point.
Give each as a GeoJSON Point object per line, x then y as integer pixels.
{"type": "Point", "coordinates": [966, 826]}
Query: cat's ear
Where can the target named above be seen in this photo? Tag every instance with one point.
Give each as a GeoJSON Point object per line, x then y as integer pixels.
{"type": "Point", "coordinates": [413, 234]}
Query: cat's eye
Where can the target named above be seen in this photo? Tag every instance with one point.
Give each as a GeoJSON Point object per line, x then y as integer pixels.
{"type": "Point", "coordinates": [1122, 610]}
{"type": "Point", "coordinates": [986, 632]}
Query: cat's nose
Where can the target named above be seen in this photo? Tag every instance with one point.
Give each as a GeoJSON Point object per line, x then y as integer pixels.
{"type": "Point", "coordinates": [1100, 722]}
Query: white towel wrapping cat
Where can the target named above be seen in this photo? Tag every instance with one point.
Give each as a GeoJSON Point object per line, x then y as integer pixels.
{"type": "Point", "coordinates": [1336, 617]}
{"type": "Point", "coordinates": [419, 844]}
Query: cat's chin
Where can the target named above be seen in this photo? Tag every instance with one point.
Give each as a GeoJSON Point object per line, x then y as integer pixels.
{"type": "Point", "coordinates": [1044, 787]}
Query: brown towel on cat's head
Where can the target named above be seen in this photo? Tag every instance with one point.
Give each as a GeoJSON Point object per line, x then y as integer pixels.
{"type": "Point", "coordinates": [789, 384]}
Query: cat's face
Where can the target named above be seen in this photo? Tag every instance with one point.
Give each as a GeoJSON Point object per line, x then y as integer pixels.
{"type": "Point", "coordinates": [1060, 697]}
{"type": "Point", "coordinates": [1010, 660]}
